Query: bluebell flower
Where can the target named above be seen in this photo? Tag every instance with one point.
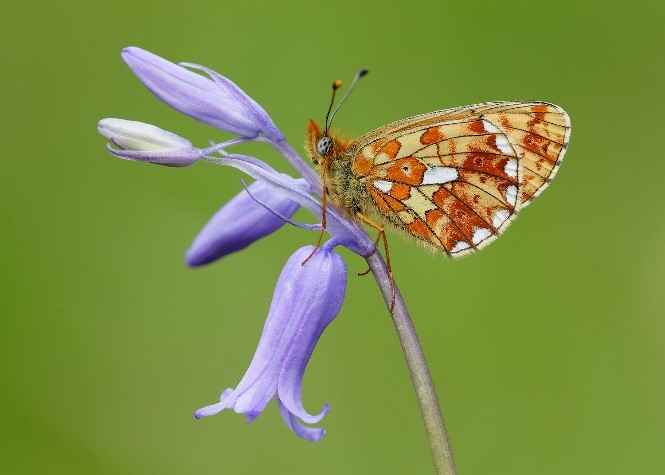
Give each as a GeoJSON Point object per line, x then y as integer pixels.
{"type": "Point", "coordinates": [307, 298]}
{"type": "Point", "coordinates": [310, 289]}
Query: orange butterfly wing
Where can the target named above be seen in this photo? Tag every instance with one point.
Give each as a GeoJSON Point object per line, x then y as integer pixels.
{"type": "Point", "coordinates": [456, 178]}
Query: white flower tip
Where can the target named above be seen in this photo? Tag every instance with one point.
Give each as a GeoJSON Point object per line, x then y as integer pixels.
{"type": "Point", "coordinates": [139, 136]}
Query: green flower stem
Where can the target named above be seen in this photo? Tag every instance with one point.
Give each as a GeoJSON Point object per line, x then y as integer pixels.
{"type": "Point", "coordinates": [420, 376]}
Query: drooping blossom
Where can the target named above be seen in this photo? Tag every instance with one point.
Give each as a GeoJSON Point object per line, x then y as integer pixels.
{"type": "Point", "coordinates": [307, 298]}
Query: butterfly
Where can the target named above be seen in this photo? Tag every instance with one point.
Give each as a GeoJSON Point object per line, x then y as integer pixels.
{"type": "Point", "coordinates": [452, 179]}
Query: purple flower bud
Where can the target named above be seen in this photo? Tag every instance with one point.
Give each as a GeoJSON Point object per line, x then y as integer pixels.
{"type": "Point", "coordinates": [146, 143]}
{"type": "Point", "coordinates": [214, 101]}
{"type": "Point", "coordinates": [240, 222]}
{"type": "Point", "coordinates": [307, 298]}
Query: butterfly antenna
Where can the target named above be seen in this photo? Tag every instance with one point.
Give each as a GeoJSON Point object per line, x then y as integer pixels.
{"type": "Point", "coordinates": [336, 85]}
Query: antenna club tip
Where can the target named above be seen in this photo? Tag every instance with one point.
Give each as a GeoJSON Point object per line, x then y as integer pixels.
{"type": "Point", "coordinates": [362, 72]}
{"type": "Point", "coordinates": [337, 84]}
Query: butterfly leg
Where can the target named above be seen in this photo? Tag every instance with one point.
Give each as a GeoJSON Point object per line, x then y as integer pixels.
{"type": "Point", "coordinates": [324, 201]}
{"type": "Point", "coordinates": [381, 236]}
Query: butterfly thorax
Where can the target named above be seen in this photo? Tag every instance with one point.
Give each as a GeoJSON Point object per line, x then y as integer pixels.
{"type": "Point", "coordinates": [344, 187]}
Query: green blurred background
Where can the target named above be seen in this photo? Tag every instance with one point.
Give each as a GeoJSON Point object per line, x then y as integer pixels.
{"type": "Point", "coordinates": [546, 348]}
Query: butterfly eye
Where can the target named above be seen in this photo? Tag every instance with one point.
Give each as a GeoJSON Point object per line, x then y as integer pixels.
{"type": "Point", "coordinates": [324, 145]}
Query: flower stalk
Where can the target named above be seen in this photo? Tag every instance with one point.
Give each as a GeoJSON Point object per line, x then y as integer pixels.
{"type": "Point", "coordinates": [421, 379]}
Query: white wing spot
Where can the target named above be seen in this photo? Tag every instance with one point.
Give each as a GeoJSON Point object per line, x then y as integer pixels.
{"type": "Point", "coordinates": [500, 217]}
{"type": "Point", "coordinates": [511, 168]}
{"type": "Point", "coordinates": [460, 246]}
{"type": "Point", "coordinates": [490, 127]}
{"type": "Point", "coordinates": [439, 175]}
{"type": "Point", "coordinates": [480, 234]}
{"type": "Point", "coordinates": [503, 145]}
{"type": "Point", "coordinates": [383, 185]}
{"type": "Point", "coordinates": [511, 194]}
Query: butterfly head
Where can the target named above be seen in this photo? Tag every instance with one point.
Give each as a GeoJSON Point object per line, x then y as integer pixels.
{"type": "Point", "coordinates": [318, 143]}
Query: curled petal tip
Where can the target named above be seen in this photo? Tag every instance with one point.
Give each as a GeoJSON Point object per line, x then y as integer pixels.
{"type": "Point", "coordinates": [315, 435]}
{"type": "Point", "coordinates": [251, 415]}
